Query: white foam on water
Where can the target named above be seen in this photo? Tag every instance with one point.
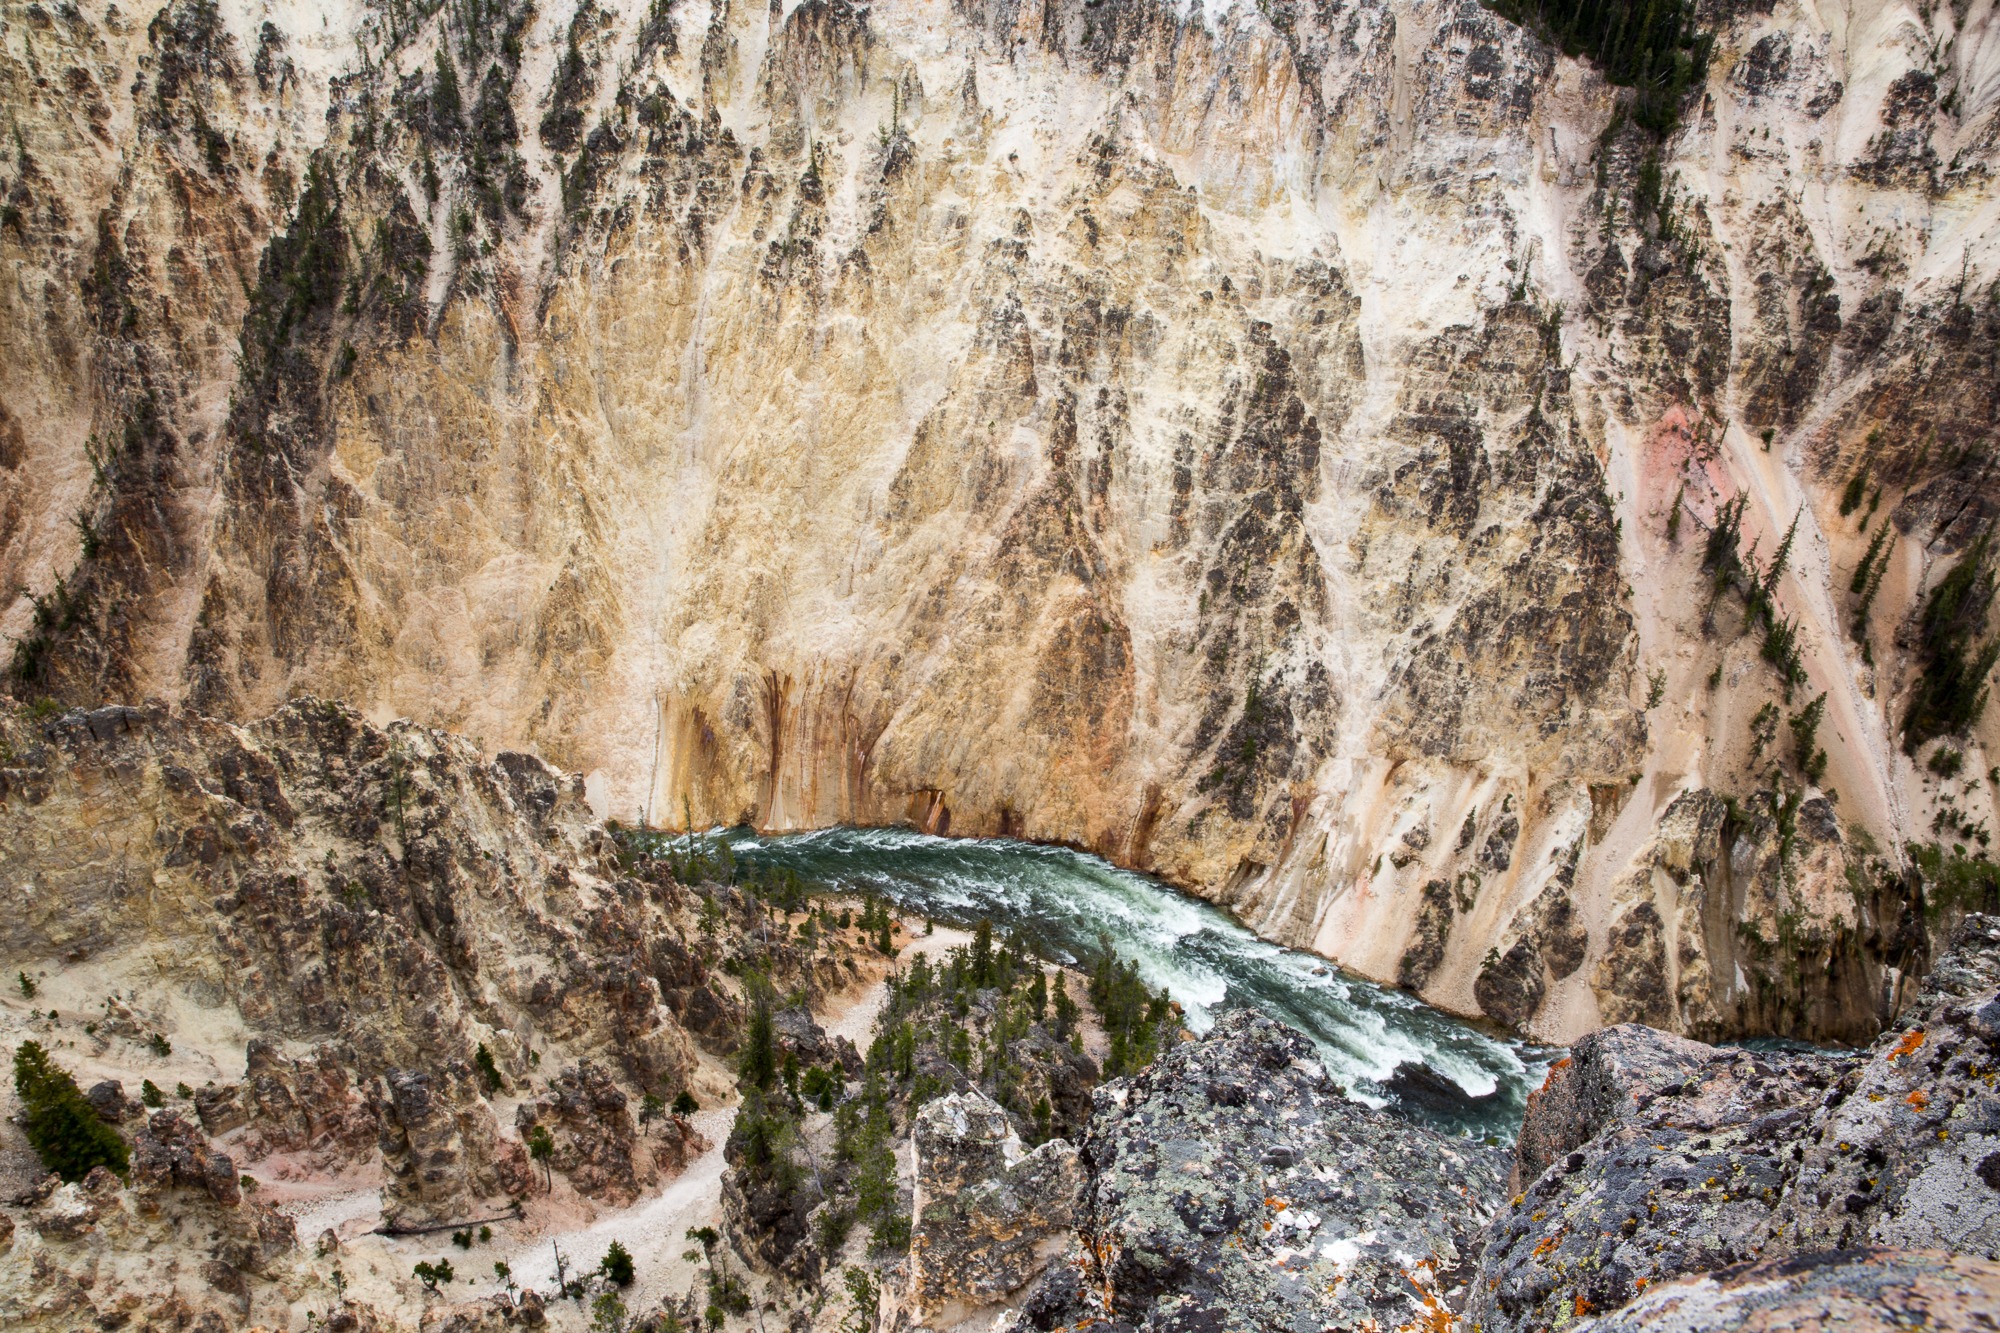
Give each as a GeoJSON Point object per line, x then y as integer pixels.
{"type": "Point", "coordinates": [1204, 959]}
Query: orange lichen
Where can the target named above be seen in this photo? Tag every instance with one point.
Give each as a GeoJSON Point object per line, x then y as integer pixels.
{"type": "Point", "coordinates": [1583, 1307]}
{"type": "Point", "coordinates": [1908, 1045]}
{"type": "Point", "coordinates": [1919, 1099]}
{"type": "Point", "coordinates": [1433, 1316]}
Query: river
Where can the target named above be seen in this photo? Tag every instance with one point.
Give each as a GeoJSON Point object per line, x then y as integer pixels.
{"type": "Point", "coordinates": [1385, 1046]}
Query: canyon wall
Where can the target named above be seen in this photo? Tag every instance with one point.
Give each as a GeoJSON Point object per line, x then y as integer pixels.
{"type": "Point", "coordinates": [1276, 447]}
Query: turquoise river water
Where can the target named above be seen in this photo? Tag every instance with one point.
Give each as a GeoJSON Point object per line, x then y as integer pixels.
{"type": "Point", "coordinates": [1387, 1047]}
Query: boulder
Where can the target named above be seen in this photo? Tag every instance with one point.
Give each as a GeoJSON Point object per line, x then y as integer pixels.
{"type": "Point", "coordinates": [1856, 1291]}
{"type": "Point", "coordinates": [1233, 1185]}
{"type": "Point", "coordinates": [1646, 1158]}
{"type": "Point", "coordinates": [171, 1153]}
{"type": "Point", "coordinates": [987, 1217]}
{"type": "Point", "coordinates": [108, 1099]}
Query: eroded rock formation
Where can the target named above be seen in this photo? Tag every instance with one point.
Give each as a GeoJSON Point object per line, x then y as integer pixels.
{"type": "Point", "coordinates": [1268, 446]}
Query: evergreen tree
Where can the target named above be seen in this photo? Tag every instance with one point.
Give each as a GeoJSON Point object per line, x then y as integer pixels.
{"type": "Point", "coordinates": [61, 1126]}
{"type": "Point", "coordinates": [759, 1062]}
{"type": "Point", "coordinates": [446, 105]}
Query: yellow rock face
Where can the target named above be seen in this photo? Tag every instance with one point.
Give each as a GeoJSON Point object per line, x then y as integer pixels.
{"type": "Point", "coordinates": [1236, 446]}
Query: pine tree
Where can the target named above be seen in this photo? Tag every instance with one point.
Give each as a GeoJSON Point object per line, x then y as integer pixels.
{"type": "Point", "coordinates": [758, 1064]}
{"type": "Point", "coordinates": [446, 106]}
{"type": "Point", "coordinates": [61, 1126]}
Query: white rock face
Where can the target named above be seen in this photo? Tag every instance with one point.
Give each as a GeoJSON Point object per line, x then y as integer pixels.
{"type": "Point", "coordinates": [1240, 440]}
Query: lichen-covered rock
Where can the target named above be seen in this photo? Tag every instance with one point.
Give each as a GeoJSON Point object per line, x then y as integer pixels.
{"type": "Point", "coordinates": [1907, 1152]}
{"type": "Point", "coordinates": [987, 1217]}
{"type": "Point", "coordinates": [1643, 1157]}
{"type": "Point", "coordinates": [1647, 1157]}
{"type": "Point", "coordinates": [1233, 1185]}
{"type": "Point", "coordinates": [1855, 1291]}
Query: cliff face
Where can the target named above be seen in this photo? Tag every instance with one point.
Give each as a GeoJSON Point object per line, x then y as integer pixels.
{"type": "Point", "coordinates": [1272, 447]}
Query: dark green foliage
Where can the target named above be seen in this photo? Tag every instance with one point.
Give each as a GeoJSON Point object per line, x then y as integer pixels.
{"type": "Point", "coordinates": [1953, 651]}
{"type": "Point", "coordinates": [1868, 579]}
{"type": "Point", "coordinates": [616, 1267]}
{"type": "Point", "coordinates": [1731, 569]}
{"type": "Point", "coordinates": [762, 1140]}
{"type": "Point", "coordinates": [447, 106]}
{"type": "Point", "coordinates": [562, 126]}
{"type": "Point", "coordinates": [498, 175]}
{"type": "Point", "coordinates": [1719, 553]}
{"type": "Point", "coordinates": [62, 609]}
{"type": "Point", "coordinates": [27, 985]}
{"type": "Point", "coordinates": [1955, 881]}
{"type": "Point", "coordinates": [1134, 1018]}
{"type": "Point", "coordinates": [542, 1148]}
{"type": "Point", "coordinates": [757, 1065]}
{"type": "Point", "coordinates": [433, 1274]}
{"type": "Point", "coordinates": [834, 1224]}
{"type": "Point", "coordinates": [300, 277]}
{"type": "Point", "coordinates": [60, 1125]}
{"type": "Point", "coordinates": [150, 1094]}
{"type": "Point", "coordinates": [462, 1238]}
{"type": "Point", "coordinates": [1066, 1009]}
{"type": "Point", "coordinates": [1946, 762]}
{"type": "Point", "coordinates": [1781, 650]}
{"type": "Point", "coordinates": [1855, 491]}
{"type": "Point", "coordinates": [1651, 46]}
{"type": "Point", "coordinates": [1859, 583]}
{"type": "Point", "coordinates": [159, 1046]}
{"type": "Point", "coordinates": [1781, 559]}
{"type": "Point", "coordinates": [1805, 734]}
{"type": "Point", "coordinates": [822, 1086]}
{"type": "Point", "coordinates": [684, 1103]}
{"type": "Point", "coordinates": [1674, 514]}
{"type": "Point", "coordinates": [489, 1072]}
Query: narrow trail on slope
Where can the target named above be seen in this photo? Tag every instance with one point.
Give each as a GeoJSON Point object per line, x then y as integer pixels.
{"type": "Point", "coordinates": [655, 1229]}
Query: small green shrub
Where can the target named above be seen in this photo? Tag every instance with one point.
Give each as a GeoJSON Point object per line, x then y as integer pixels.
{"type": "Point", "coordinates": [617, 1267]}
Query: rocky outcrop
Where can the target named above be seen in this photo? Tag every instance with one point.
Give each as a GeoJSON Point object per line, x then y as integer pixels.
{"type": "Point", "coordinates": [987, 1217]}
{"type": "Point", "coordinates": [597, 1143]}
{"type": "Point", "coordinates": [1869, 1291]}
{"type": "Point", "coordinates": [303, 1105]}
{"type": "Point", "coordinates": [1646, 1158]}
{"type": "Point", "coordinates": [171, 1153]}
{"type": "Point", "coordinates": [1757, 916]}
{"type": "Point", "coordinates": [178, 1240]}
{"type": "Point", "coordinates": [443, 1158]}
{"type": "Point", "coordinates": [360, 887]}
{"type": "Point", "coordinates": [1231, 1183]}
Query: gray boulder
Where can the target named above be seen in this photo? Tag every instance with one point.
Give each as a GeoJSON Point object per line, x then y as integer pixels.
{"type": "Point", "coordinates": [1856, 1291]}
{"type": "Point", "coordinates": [1235, 1186]}
{"type": "Point", "coordinates": [1647, 1158]}
{"type": "Point", "coordinates": [987, 1217]}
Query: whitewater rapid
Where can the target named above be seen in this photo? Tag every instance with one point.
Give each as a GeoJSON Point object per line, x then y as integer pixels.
{"type": "Point", "coordinates": [1388, 1048]}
